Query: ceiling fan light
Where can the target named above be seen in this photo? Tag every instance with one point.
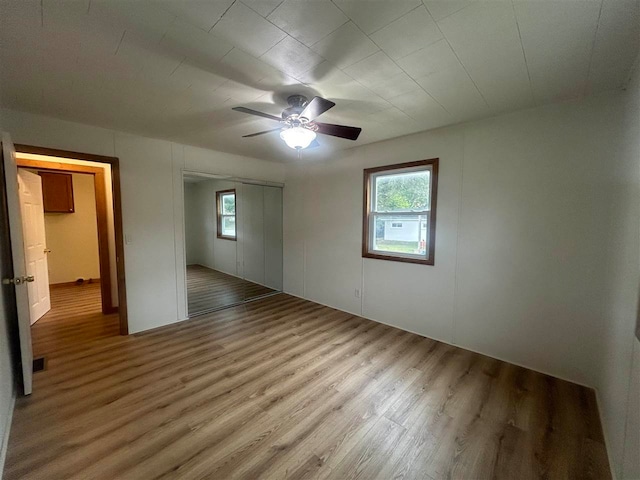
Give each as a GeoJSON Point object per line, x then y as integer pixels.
{"type": "Point", "coordinates": [298, 137]}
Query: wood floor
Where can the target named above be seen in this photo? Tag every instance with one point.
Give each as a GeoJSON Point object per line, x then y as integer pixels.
{"type": "Point", "coordinates": [209, 289]}
{"type": "Point", "coordinates": [75, 317]}
{"type": "Point", "coordinates": [286, 388]}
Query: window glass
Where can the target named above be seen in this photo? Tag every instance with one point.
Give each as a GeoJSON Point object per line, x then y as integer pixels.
{"type": "Point", "coordinates": [402, 192]}
{"type": "Point", "coordinates": [410, 238]}
{"type": "Point", "coordinates": [229, 204]}
{"type": "Point", "coordinates": [229, 226]}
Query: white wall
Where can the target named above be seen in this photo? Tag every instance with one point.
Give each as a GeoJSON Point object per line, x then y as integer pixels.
{"type": "Point", "coordinates": [518, 269]}
{"type": "Point", "coordinates": [618, 375]}
{"type": "Point", "coordinates": [152, 205]}
{"type": "Point", "coordinates": [201, 227]}
{"type": "Point", "coordinates": [192, 225]}
{"type": "Point", "coordinates": [73, 237]}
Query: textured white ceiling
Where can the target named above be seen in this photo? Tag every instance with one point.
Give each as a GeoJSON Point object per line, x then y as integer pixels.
{"type": "Point", "coordinates": [173, 69]}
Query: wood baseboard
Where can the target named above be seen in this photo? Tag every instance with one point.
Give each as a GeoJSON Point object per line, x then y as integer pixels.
{"type": "Point", "coordinates": [67, 284]}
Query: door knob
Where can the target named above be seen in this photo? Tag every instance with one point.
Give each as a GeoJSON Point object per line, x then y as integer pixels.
{"type": "Point", "coordinates": [29, 278]}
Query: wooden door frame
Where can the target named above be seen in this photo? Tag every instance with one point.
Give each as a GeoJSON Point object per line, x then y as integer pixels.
{"type": "Point", "coordinates": [101, 213]}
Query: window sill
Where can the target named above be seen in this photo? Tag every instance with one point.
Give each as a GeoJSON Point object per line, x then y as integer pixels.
{"type": "Point", "coordinates": [393, 258]}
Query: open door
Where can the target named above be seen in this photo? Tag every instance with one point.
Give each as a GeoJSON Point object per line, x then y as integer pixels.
{"type": "Point", "coordinates": [21, 278]}
{"type": "Point", "coordinates": [35, 243]}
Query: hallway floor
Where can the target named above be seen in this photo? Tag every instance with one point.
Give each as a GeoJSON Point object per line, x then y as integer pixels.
{"type": "Point", "coordinates": [75, 317]}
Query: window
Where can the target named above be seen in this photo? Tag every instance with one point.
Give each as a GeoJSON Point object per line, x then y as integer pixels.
{"type": "Point", "coordinates": [400, 212]}
{"type": "Point", "coordinates": [226, 208]}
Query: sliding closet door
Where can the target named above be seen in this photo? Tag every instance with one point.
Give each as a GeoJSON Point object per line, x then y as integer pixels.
{"type": "Point", "coordinates": [253, 233]}
{"type": "Point", "coordinates": [211, 248]}
{"type": "Point", "coordinates": [273, 237]}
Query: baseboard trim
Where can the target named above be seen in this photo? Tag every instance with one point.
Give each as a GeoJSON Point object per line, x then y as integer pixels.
{"type": "Point", "coordinates": [7, 433]}
{"type": "Point", "coordinates": [67, 284]}
{"type": "Point", "coordinates": [450, 343]}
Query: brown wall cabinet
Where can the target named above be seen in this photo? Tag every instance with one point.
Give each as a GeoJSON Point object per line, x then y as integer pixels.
{"type": "Point", "coordinates": [57, 192]}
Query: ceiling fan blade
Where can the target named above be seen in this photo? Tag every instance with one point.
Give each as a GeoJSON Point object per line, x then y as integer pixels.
{"type": "Point", "coordinates": [262, 133]}
{"type": "Point", "coordinates": [342, 131]}
{"type": "Point", "coordinates": [316, 107]}
{"type": "Point", "coordinates": [255, 112]}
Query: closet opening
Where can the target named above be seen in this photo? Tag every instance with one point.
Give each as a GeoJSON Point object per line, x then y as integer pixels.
{"type": "Point", "coordinates": [233, 241]}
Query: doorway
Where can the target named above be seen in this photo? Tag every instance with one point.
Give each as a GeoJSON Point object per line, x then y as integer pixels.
{"type": "Point", "coordinates": [72, 234]}
{"type": "Point", "coordinates": [233, 241]}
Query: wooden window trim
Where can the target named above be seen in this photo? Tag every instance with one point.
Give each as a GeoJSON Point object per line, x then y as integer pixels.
{"type": "Point", "coordinates": [219, 215]}
{"type": "Point", "coordinates": [368, 172]}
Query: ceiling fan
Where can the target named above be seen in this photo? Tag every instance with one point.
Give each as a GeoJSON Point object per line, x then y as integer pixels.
{"type": "Point", "coordinates": [299, 127]}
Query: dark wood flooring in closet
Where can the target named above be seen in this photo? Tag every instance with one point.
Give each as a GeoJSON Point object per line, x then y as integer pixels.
{"type": "Point", "coordinates": [209, 289]}
{"type": "Point", "coordinates": [286, 388]}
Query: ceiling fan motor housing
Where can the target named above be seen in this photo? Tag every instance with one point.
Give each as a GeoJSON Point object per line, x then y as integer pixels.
{"type": "Point", "coordinates": [297, 103]}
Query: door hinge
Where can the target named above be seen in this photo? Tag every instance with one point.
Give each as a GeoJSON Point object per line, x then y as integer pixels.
{"type": "Point", "coordinates": [18, 280]}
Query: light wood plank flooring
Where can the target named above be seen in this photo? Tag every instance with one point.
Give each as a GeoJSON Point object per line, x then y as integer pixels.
{"type": "Point", "coordinates": [75, 316]}
{"type": "Point", "coordinates": [209, 289]}
{"type": "Point", "coordinates": [286, 388]}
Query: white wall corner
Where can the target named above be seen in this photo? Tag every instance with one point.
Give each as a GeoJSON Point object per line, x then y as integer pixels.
{"type": "Point", "coordinates": [8, 418]}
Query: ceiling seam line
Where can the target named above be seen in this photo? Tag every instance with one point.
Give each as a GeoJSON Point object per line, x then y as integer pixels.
{"type": "Point", "coordinates": [421, 49]}
{"type": "Point", "coordinates": [593, 48]}
{"type": "Point", "coordinates": [420, 87]}
{"type": "Point", "coordinates": [330, 33]}
{"type": "Point", "coordinates": [265, 16]}
{"type": "Point", "coordinates": [222, 16]}
{"type": "Point", "coordinates": [460, 61]}
{"type": "Point", "coordinates": [120, 43]}
{"type": "Point", "coordinates": [177, 66]}
{"type": "Point", "coordinates": [276, 26]}
{"type": "Point", "coordinates": [450, 14]}
{"type": "Point", "coordinates": [524, 55]}
{"type": "Point", "coordinates": [395, 19]}
{"type": "Point", "coordinates": [394, 62]}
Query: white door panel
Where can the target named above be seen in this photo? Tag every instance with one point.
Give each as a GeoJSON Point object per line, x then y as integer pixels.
{"type": "Point", "coordinates": [19, 261]}
{"type": "Point", "coordinates": [31, 204]}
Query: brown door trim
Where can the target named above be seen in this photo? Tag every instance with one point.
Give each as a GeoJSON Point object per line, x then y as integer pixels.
{"type": "Point", "coordinates": [101, 210]}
